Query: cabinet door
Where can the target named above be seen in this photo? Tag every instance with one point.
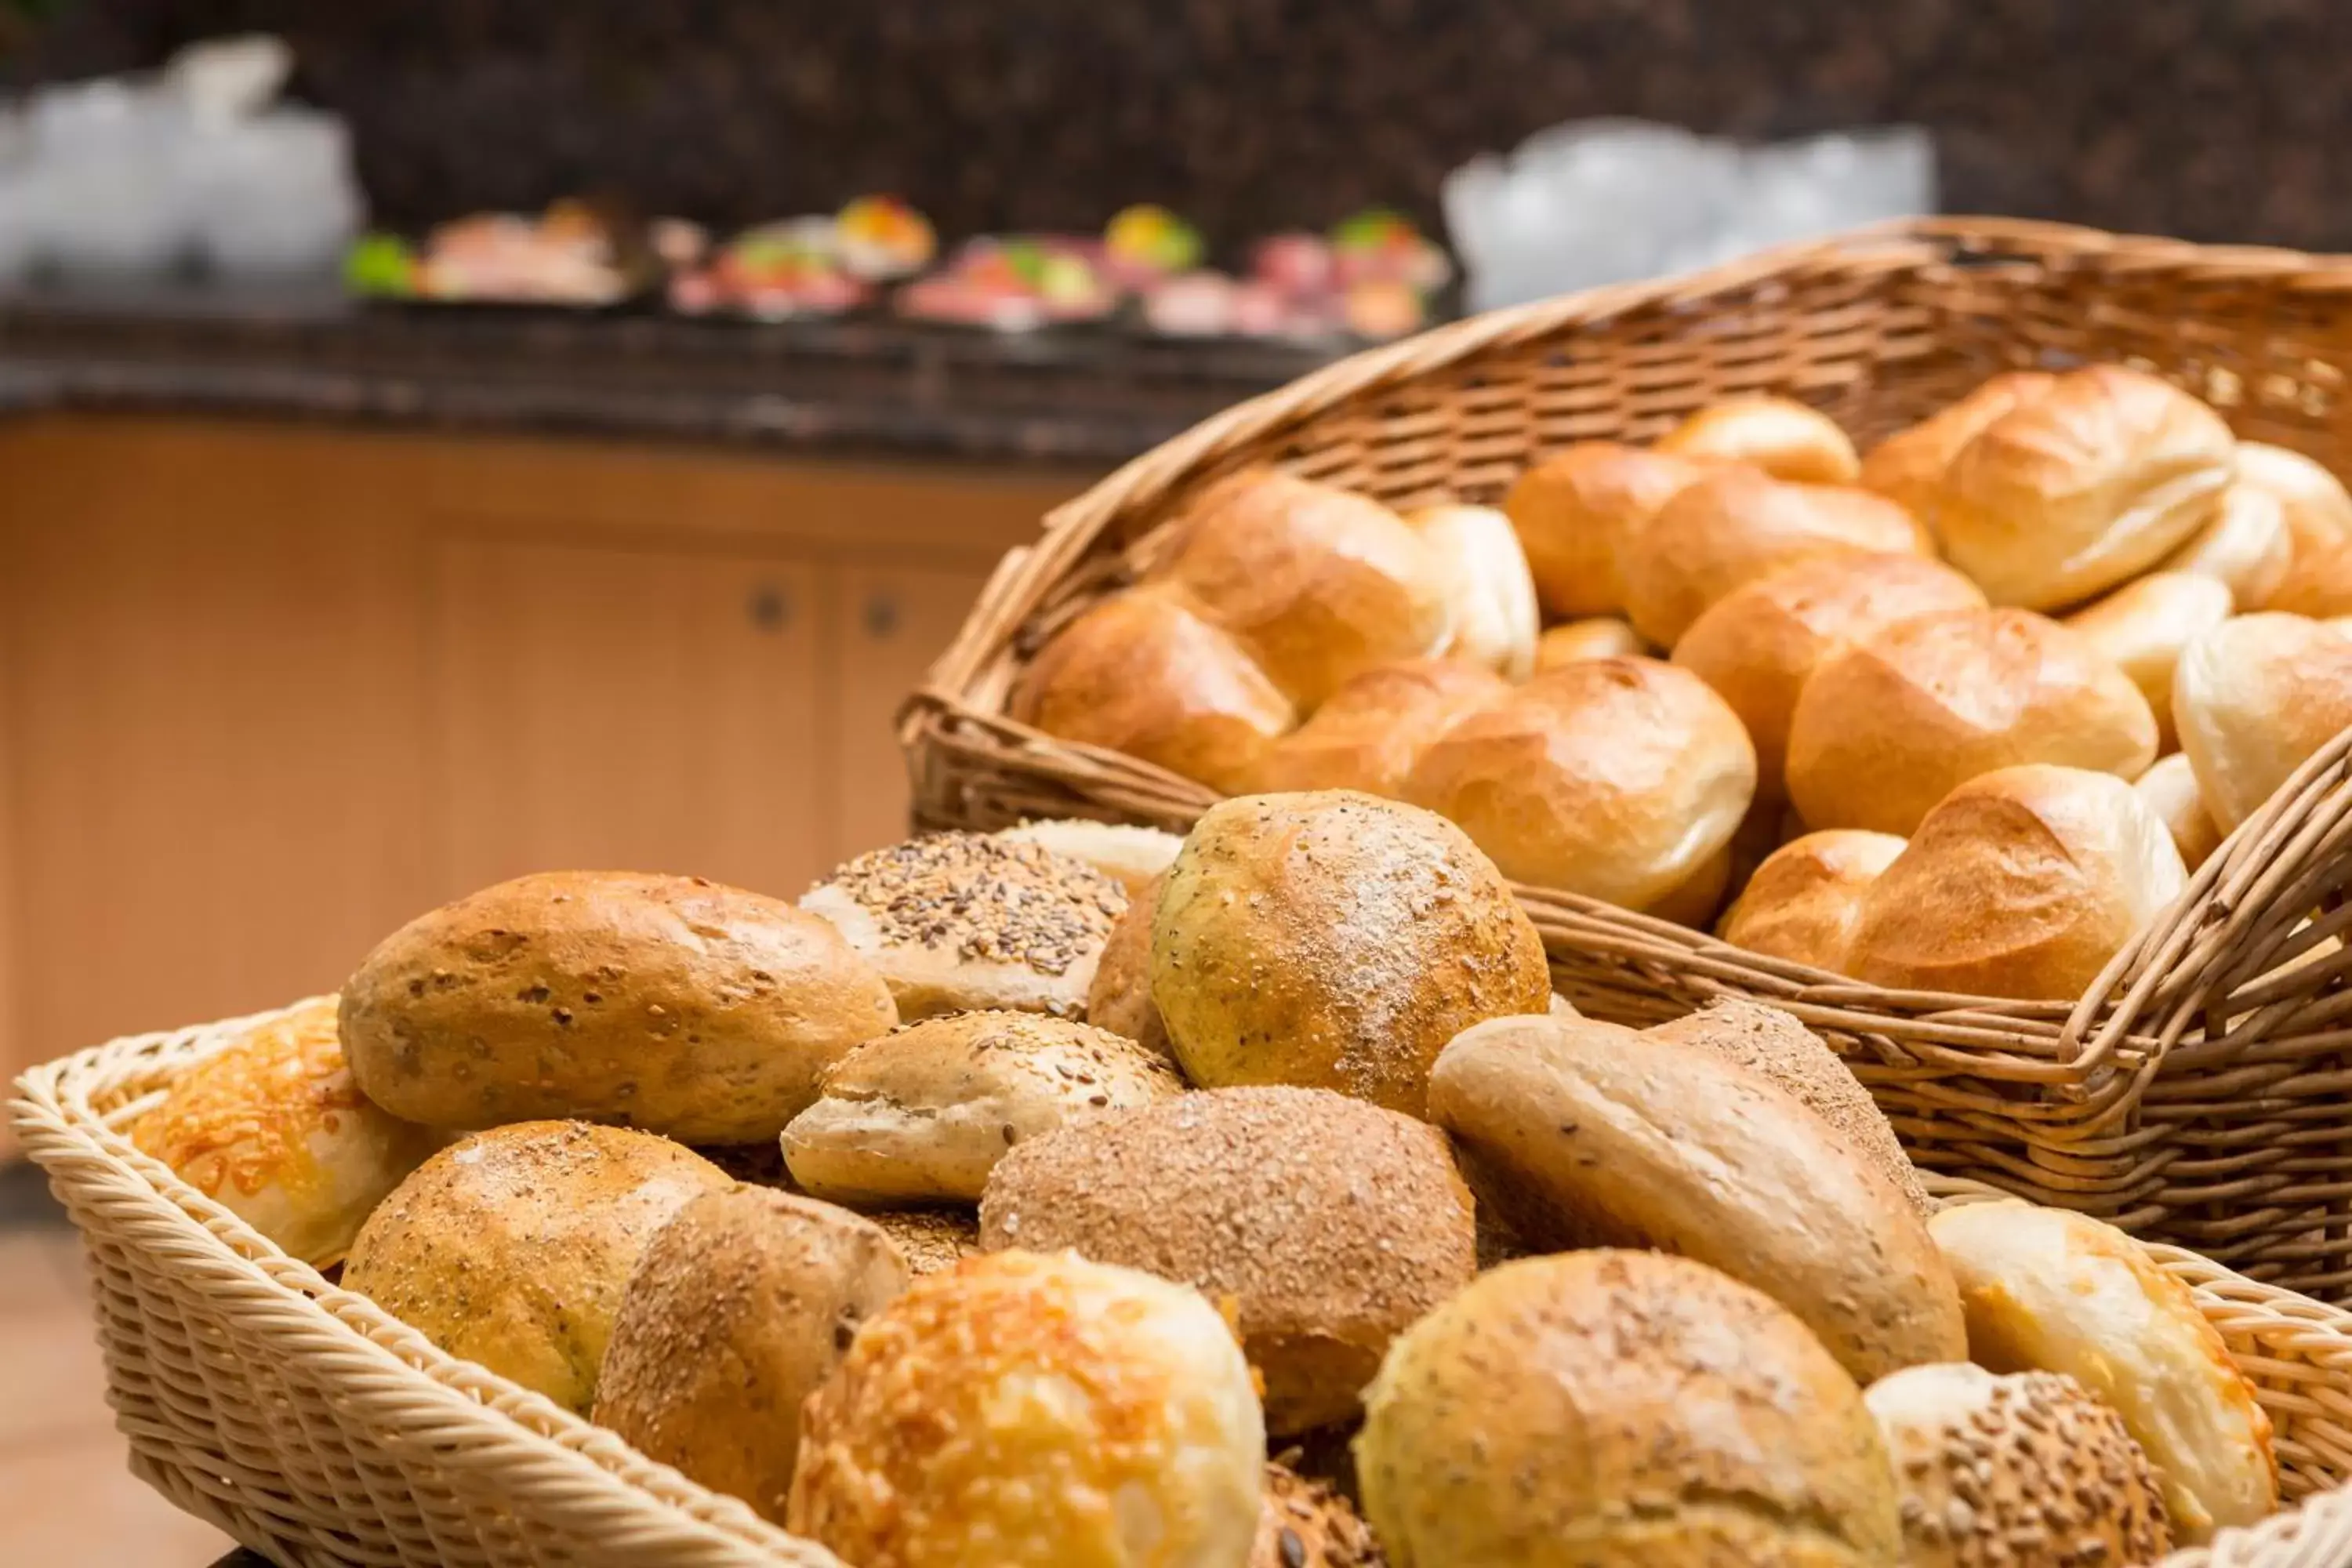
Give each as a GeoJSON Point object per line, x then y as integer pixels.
{"type": "Point", "coordinates": [897, 620]}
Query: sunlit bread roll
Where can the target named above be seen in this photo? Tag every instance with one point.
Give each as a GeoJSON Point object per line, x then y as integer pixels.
{"type": "Point", "coordinates": [1129, 855]}
{"type": "Point", "coordinates": [2146, 626]}
{"type": "Point", "coordinates": [2170, 790]}
{"type": "Point", "coordinates": [1786, 439]}
{"type": "Point", "coordinates": [1142, 673]}
{"type": "Point", "coordinates": [1317, 583]}
{"type": "Point", "coordinates": [1909, 467]}
{"type": "Point", "coordinates": [1757, 643]}
{"type": "Point", "coordinates": [1888, 726]}
{"type": "Point", "coordinates": [1372, 729]}
{"type": "Point", "coordinates": [1490, 595]}
{"type": "Point", "coordinates": [1803, 902]}
{"type": "Point", "coordinates": [1601, 636]}
{"type": "Point", "coordinates": [2101, 476]}
{"type": "Point", "coordinates": [1620, 1409]}
{"type": "Point", "coordinates": [1736, 525]}
{"type": "Point", "coordinates": [1616, 778]}
{"type": "Point", "coordinates": [2051, 1290]}
{"type": "Point", "coordinates": [2319, 513]}
{"type": "Point", "coordinates": [2247, 547]}
{"type": "Point", "coordinates": [2253, 698]}
{"type": "Point", "coordinates": [2022, 882]}
{"type": "Point", "coordinates": [1576, 511]}
{"type": "Point", "coordinates": [1029, 1410]}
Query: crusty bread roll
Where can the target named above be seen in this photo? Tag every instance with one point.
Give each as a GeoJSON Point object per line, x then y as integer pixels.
{"type": "Point", "coordinates": [2146, 626]}
{"type": "Point", "coordinates": [2051, 1290]}
{"type": "Point", "coordinates": [1490, 597]}
{"type": "Point", "coordinates": [1310, 1524]}
{"type": "Point", "coordinates": [666, 1003]}
{"type": "Point", "coordinates": [1373, 728]}
{"type": "Point", "coordinates": [2101, 476]}
{"type": "Point", "coordinates": [1889, 726]}
{"type": "Point", "coordinates": [2021, 882]}
{"type": "Point", "coordinates": [1142, 673]}
{"type": "Point", "coordinates": [1587, 1134]}
{"type": "Point", "coordinates": [2253, 698]}
{"type": "Point", "coordinates": [1620, 1409]}
{"type": "Point", "coordinates": [1694, 901]}
{"type": "Point", "coordinates": [2318, 581]}
{"type": "Point", "coordinates": [1616, 778]}
{"type": "Point", "coordinates": [1130, 856]}
{"type": "Point", "coordinates": [2247, 547]}
{"type": "Point", "coordinates": [961, 922]}
{"type": "Point", "coordinates": [1998, 1472]}
{"type": "Point", "coordinates": [1330, 1225]}
{"type": "Point", "coordinates": [1786, 439]}
{"type": "Point", "coordinates": [274, 1130]}
{"type": "Point", "coordinates": [931, 1240]}
{"type": "Point", "coordinates": [1337, 940]}
{"type": "Point", "coordinates": [1317, 583]}
{"type": "Point", "coordinates": [1803, 901]}
{"type": "Point", "coordinates": [922, 1114]}
{"type": "Point", "coordinates": [1023, 1408]}
{"type": "Point", "coordinates": [2319, 513]}
{"type": "Point", "coordinates": [1576, 511]}
{"type": "Point", "coordinates": [1736, 525]}
{"type": "Point", "coordinates": [1119, 999]}
{"type": "Point", "coordinates": [512, 1247]}
{"type": "Point", "coordinates": [740, 1306]}
{"type": "Point", "coordinates": [1757, 643]}
{"type": "Point", "coordinates": [2170, 790]}
{"type": "Point", "coordinates": [1908, 467]}
{"type": "Point", "coordinates": [1601, 637]}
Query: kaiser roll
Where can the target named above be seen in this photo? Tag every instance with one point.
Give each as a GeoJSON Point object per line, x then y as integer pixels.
{"type": "Point", "coordinates": [1787, 440]}
{"type": "Point", "coordinates": [1908, 467]}
{"type": "Point", "coordinates": [2318, 514]}
{"type": "Point", "coordinates": [2146, 626]}
{"type": "Point", "coordinates": [1601, 637]}
{"type": "Point", "coordinates": [2247, 548]}
{"type": "Point", "coordinates": [1374, 727]}
{"type": "Point", "coordinates": [1803, 901]}
{"type": "Point", "coordinates": [2170, 790]}
{"type": "Point", "coordinates": [1576, 511]}
{"type": "Point", "coordinates": [1490, 597]}
{"type": "Point", "coordinates": [2253, 698]}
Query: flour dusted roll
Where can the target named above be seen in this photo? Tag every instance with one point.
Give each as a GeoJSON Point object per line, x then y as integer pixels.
{"type": "Point", "coordinates": [1908, 467]}
{"type": "Point", "coordinates": [1373, 728]}
{"type": "Point", "coordinates": [1803, 901]}
{"type": "Point", "coordinates": [2253, 698]}
{"type": "Point", "coordinates": [1129, 855]}
{"type": "Point", "coordinates": [1489, 591]}
{"type": "Point", "coordinates": [2146, 626]}
{"type": "Point", "coordinates": [2318, 514]}
{"type": "Point", "coordinates": [2170, 790]}
{"type": "Point", "coordinates": [2247, 547]}
{"type": "Point", "coordinates": [1601, 637]}
{"type": "Point", "coordinates": [1577, 511]}
{"type": "Point", "coordinates": [1784, 439]}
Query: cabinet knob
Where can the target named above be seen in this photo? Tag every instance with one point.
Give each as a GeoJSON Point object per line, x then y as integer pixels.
{"type": "Point", "coordinates": [881, 616]}
{"type": "Point", "coordinates": [770, 607]}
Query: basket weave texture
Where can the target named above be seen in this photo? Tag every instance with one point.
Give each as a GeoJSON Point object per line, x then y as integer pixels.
{"type": "Point", "coordinates": [2194, 1094]}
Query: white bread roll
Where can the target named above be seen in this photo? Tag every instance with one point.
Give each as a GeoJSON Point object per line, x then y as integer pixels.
{"type": "Point", "coordinates": [1489, 591]}
{"type": "Point", "coordinates": [2253, 698]}
{"type": "Point", "coordinates": [1601, 636]}
{"type": "Point", "coordinates": [1129, 854]}
{"type": "Point", "coordinates": [2247, 547]}
{"type": "Point", "coordinates": [1784, 439]}
{"type": "Point", "coordinates": [1373, 728]}
{"type": "Point", "coordinates": [2146, 626]}
{"type": "Point", "coordinates": [2318, 514]}
{"type": "Point", "coordinates": [1908, 467]}
{"type": "Point", "coordinates": [1577, 511]}
{"type": "Point", "coordinates": [1803, 901]}
{"type": "Point", "coordinates": [2170, 790]}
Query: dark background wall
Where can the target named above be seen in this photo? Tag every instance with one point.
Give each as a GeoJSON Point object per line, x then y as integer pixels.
{"type": "Point", "coordinates": [2210, 119]}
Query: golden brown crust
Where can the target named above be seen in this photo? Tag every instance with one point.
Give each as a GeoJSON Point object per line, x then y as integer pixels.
{"type": "Point", "coordinates": [1694, 901]}
{"type": "Point", "coordinates": [1308, 1524]}
{"type": "Point", "coordinates": [2146, 625]}
{"type": "Point", "coordinates": [2170, 790]}
{"type": "Point", "coordinates": [2318, 515]}
{"type": "Point", "coordinates": [2247, 548]}
{"type": "Point", "coordinates": [2253, 698]}
{"type": "Point", "coordinates": [1374, 727]}
{"type": "Point", "coordinates": [1909, 467]}
{"type": "Point", "coordinates": [1577, 511]}
{"type": "Point", "coordinates": [1601, 637]}
{"type": "Point", "coordinates": [1490, 597]}
{"type": "Point", "coordinates": [1803, 901]}
{"type": "Point", "coordinates": [1120, 998]}
{"type": "Point", "coordinates": [1786, 439]}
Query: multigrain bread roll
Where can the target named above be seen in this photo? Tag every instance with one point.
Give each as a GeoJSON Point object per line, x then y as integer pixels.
{"type": "Point", "coordinates": [2051, 1290]}
{"type": "Point", "coordinates": [668, 1003]}
{"type": "Point", "coordinates": [1308, 1523]}
{"type": "Point", "coordinates": [1603, 636]}
{"type": "Point", "coordinates": [2247, 548]}
{"type": "Point", "coordinates": [2318, 514]}
{"type": "Point", "coordinates": [1586, 1134]}
{"type": "Point", "coordinates": [1786, 439]}
{"type": "Point", "coordinates": [1616, 778]}
{"type": "Point", "coordinates": [2144, 627]}
{"type": "Point", "coordinates": [1119, 999]}
{"type": "Point", "coordinates": [2170, 790]}
{"type": "Point", "coordinates": [1130, 856]}
{"type": "Point", "coordinates": [1577, 511]}
{"type": "Point", "coordinates": [1803, 901]}
{"type": "Point", "coordinates": [274, 1129]}
{"type": "Point", "coordinates": [1621, 1407]}
{"type": "Point", "coordinates": [1889, 726]}
{"type": "Point", "coordinates": [1335, 940]}
{"type": "Point", "coordinates": [959, 921]}
{"type": "Point", "coordinates": [2253, 698]}
{"type": "Point", "coordinates": [922, 1114]}
{"type": "Point", "coordinates": [1373, 728]}
{"type": "Point", "coordinates": [931, 1240]}
{"type": "Point", "coordinates": [1908, 467]}
{"type": "Point", "coordinates": [1489, 595]}
{"type": "Point", "coordinates": [1027, 1409]}
{"type": "Point", "coordinates": [512, 1247]}
{"type": "Point", "coordinates": [738, 1309]}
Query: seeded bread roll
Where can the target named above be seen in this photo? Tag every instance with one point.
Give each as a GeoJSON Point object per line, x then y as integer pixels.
{"type": "Point", "coordinates": [1119, 999]}
{"type": "Point", "coordinates": [961, 922]}
{"type": "Point", "coordinates": [2247, 548]}
{"type": "Point", "coordinates": [2253, 698]}
{"type": "Point", "coordinates": [1577, 511]}
{"type": "Point", "coordinates": [2170, 788]}
{"type": "Point", "coordinates": [1489, 596]}
{"type": "Point", "coordinates": [1130, 856]}
{"type": "Point", "coordinates": [1373, 730]}
{"type": "Point", "coordinates": [1603, 636]}
{"type": "Point", "coordinates": [2318, 514]}
{"type": "Point", "coordinates": [1308, 1524]}
{"type": "Point", "coordinates": [2146, 625]}
{"type": "Point", "coordinates": [1803, 901]}
{"type": "Point", "coordinates": [931, 1240]}
{"type": "Point", "coordinates": [1908, 467]}
{"type": "Point", "coordinates": [1786, 439]}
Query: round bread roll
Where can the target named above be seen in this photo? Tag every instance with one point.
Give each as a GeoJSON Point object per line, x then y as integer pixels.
{"type": "Point", "coordinates": [739, 1307]}
{"type": "Point", "coordinates": [1132, 856]}
{"type": "Point", "coordinates": [512, 1249]}
{"type": "Point", "coordinates": [922, 1114]}
{"type": "Point", "coordinates": [2024, 882]}
{"type": "Point", "coordinates": [1483, 571]}
{"type": "Point", "coordinates": [1318, 584]}
{"type": "Point", "coordinates": [1621, 1407]}
{"type": "Point", "coordinates": [1373, 730]}
{"type": "Point", "coordinates": [1119, 999]}
{"type": "Point", "coordinates": [1029, 1410]}
{"type": "Point", "coordinates": [1908, 467]}
{"type": "Point", "coordinates": [1576, 511]}
{"type": "Point", "coordinates": [1336, 940]}
{"type": "Point", "coordinates": [1736, 525]}
{"type": "Point", "coordinates": [1786, 439]}
{"type": "Point", "coordinates": [2318, 514]}
{"type": "Point", "coordinates": [2146, 626]}
{"type": "Point", "coordinates": [2318, 581]}
{"type": "Point", "coordinates": [2247, 548]}
{"type": "Point", "coordinates": [1330, 1225]}
{"type": "Point", "coordinates": [1587, 1134]}
{"type": "Point", "coordinates": [962, 921]}
{"type": "Point", "coordinates": [2170, 790]}
{"type": "Point", "coordinates": [2051, 1290]}
{"type": "Point", "coordinates": [1998, 1472]}
{"type": "Point", "coordinates": [1309, 1524]}
{"type": "Point", "coordinates": [666, 1003]}
{"type": "Point", "coordinates": [1803, 901]}
{"type": "Point", "coordinates": [1889, 726]}
{"type": "Point", "coordinates": [1757, 643]}
{"type": "Point", "coordinates": [1603, 636]}
{"type": "Point", "coordinates": [1615, 778]}
{"type": "Point", "coordinates": [1694, 901]}
{"type": "Point", "coordinates": [2253, 698]}
{"type": "Point", "coordinates": [931, 1240]}
{"type": "Point", "coordinates": [2098, 478]}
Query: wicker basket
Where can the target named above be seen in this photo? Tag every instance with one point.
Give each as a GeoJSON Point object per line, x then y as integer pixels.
{"type": "Point", "coordinates": [2191, 1095]}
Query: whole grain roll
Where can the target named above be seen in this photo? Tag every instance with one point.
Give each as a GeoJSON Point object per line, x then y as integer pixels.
{"type": "Point", "coordinates": [1373, 728]}
{"type": "Point", "coordinates": [1309, 1524]}
{"type": "Point", "coordinates": [1803, 901]}
{"type": "Point", "coordinates": [2318, 514]}
{"type": "Point", "coordinates": [1576, 511]}
{"type": "Point", "coordinates": [1489, 595]}
{"type": "Point", "coordinates": [2253, 698]}
{"type": "Point", "coordinates": [1908, 467]}
{"type": "Point", "coordinates": [2247, 548]}
{"type": "Point", "coordinates": [1119, 999]}
{"type": "Point", "coordinates": [1601, 637]}
{"type": "Point", "coordinates": [1784, 439]}
{"type": "Point", "coordinates": [2170, 790]}
{"type": "Point", "coordinates": [2146, 626]}
{"type": "Point", "coordinates": [1129, 855]}
{"type": "Point", "coordinates": [930, 1239]}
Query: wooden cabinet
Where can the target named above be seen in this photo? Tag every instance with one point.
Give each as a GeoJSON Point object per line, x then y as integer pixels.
{"type": "Point", "coordinates": [899, 619]}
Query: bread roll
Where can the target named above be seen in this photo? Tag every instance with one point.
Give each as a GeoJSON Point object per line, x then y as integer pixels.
{"type": "Point", "coordinates": [1142, 673]}
{"type": "Point", "coordinates": [1694, 901]}
{"type": "Point", "coordinates": [666, 1003]}
{"type": "Point", "coordinates": [1576, 512]}
{"type": "Point", "coordinates": [2318, 581]}
{"type": "Point", "coordinates": [1616, 778]}
{"type": "Point", "coordinates": [931, 1240]}
{"type": "Point", "coordinates": [2170, 790]}
{"type": "Point", "coordinates": [922, 1114]}
{"type": "Point", "coordinates": [2254, 698]}
{"type": "Point", "coordinates": [274, 1130]}
{"type": "Point", "coordinates": [512, 1249]}
{"type": "Point", "coordinates": [1787, 440]}
{"type": "Point", "coordinates": [1585, 1134]}
{"type": "Point", "coordinates": [1908, 467]}
{"type": "Point", "coordinates": [1329, 1224]}
{"type": "Point", "coordinates": [2024, 882]}
{"type": "Point", "coordinates": [2318, 514]}
{"type": "Point", "coordinates": [1132, 856]}
{"type": "Point", "coordinates": [961, 922]}
{"type": "Point", "coordinates": [1309, 1524]}
{"type": "Point", "coordinates": [1803, 901]}
{"type": "Point", "coordinates": [1737, 525]}
{"type": "Point", "coordinates": [1373, 730]}
{"type": "Point", "coordinates": [1028, 1409]}
{"type": "Point", "coordinates": [2051, 1290]}
{"type": "Point", "coordinates": [1336, 940]}
{"type": "Point", "coordinates": [1119, 999]}
{"type": "Point", "coordinates": [1318, 584]}
{"type": "Point", "coordinates": [2101, 476]}
{"type": "Point", "coordinates": [1621, 1407]}
{"type": "Point", "coordinates": [1887, 726]}
{"type": "Point", "coordinates": [1757, 643]}
{"type": "Point", "coordinates": [1490, 597]}
{"type": "Point", "coordinates": [740, 1306]}
{"type": "Point", "coordinates": [2247, 548]}
{"type": "Point", "coordinates": [2146, 626]}
{"type": "Point", "coordinates": [1603, 636]}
